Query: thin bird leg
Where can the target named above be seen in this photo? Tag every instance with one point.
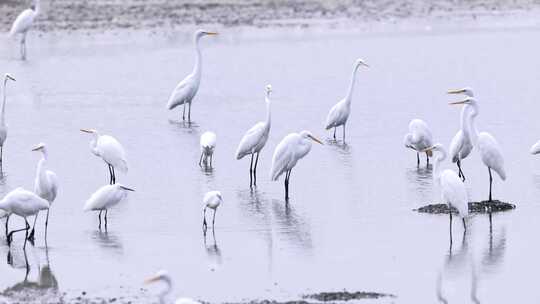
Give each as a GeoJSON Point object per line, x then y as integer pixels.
{"type": "Point", "coordinates": [427, 159]}
{"type": "Point", "coordinates": [214, 219]}
{"type": "Point", "coordinates": [251, 171]}
{"type": "Point", "coordinates": [464, 226]}
{"type": "Point", "coordinates": [189, 113]}
{"type": "Point", "coordinates": [110, 175]}
{"type": "Point", "coordinates": [343, 133]}
{"type": "Point", "coordinates": [335, 133]}
{"type": "Point", "coordinates": [211, 160]}
{"type": "Point", "coordinates": [490, 183]}
{"type": "Point", "coordinates": [113, 175]}
{"type": "Point", "coordinates": [450, 231]}
{"type": "Point", "coordinates": [255, 170]}
{"type": "Point", "coordinates": [31, 236]}
{"type": "Point", "coordinates": [46, 224]}
{"type": "Point", "coordinates": [461, 174]}
{"type": "Point", "coordinates": [204, 225]}
{"type": "Point", "coordinates": [1, 155]}
{"type": "Point", "coordinates": [200, 159]}
{"type": "Point", "coordinates": [7, 225]}
{"type": "Point", "coordinates": [106, 211]}
{"type": "Point", "coordinates": [99, 217]}
{"type": "Point", "coordinates": [26, 232]}
{"type": "Point", "coordinates": [287, 185]}
{"type": "Point", "coordinates": [10, 235]}
{"type": "Point", "coordinates": [417, 159]}
{"type": "Point", "coordinates": [184, 112]}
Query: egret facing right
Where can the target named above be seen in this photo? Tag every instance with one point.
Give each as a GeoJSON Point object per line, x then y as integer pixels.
{"type": "Point", "coordinates": [288, 152]}
{"type": "Point", "coordinates": [3, 125]}
{"type": "Point", "coordinates": [339, 113]}
{"type": "Point", "coordinates": [105, 198]}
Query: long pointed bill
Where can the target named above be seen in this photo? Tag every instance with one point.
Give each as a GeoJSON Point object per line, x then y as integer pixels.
{"type": "Point", "coordinates": [10, 77]}
{"type": "Point", "coordinates": [86, 131]}
{"type": "Point", "coordinates": [315, 139]}
{"type": "Point", "coordinates": [458, 102]}
{"type": "Point", "coordinates": [211, 33]}
{"type": "Point", "coordinates": [36, 148]}
{"type": "Point", "coordinates": [126, 188]}
{"type": "Point", "coordinates": [460, 91]}
{"type": "Point", "coordinates": [151, 280]}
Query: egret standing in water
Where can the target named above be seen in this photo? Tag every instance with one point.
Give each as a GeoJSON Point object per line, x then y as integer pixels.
{"type": "Point", "coordinates": [45, 185]}
{"type": "Point", "coordinates": [288, 152]}
{"type": "Point", "coordinates": [255, 139]}
{"type": "Point", "coordinates": [212, 200]}
{"type": "Point", "coordinates": [163, 276]}
{"type": "Point", "coordinates": [105, 198]}
{"type": "Point", "coordinates": [461, 145]}
{"type": "Point", "coordinates": [110, 150]}
{"type": "Point", "coordinates": [208, 145]}
{"type": "Point", "coordinates": [3, 125]}
{"type": "Point", "coordinates": [23, 23]}
{"type": "Point", "coordinates": [186, 90]}
{"type": "Point", "coordinates": [339, 113]}
{"type": "Point", "coordinates": [453, 190]}
{"type": "Point", "coordinates": [487, 145]}
{"type": "Point", "coordinates": [419, 139]}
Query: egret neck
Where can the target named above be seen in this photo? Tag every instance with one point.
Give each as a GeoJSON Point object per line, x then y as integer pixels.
{"type": "Point", "coordinates": [473, 112]}
{"type": "Point", "coordinates": [168, 288]}
{"type": "Point", "coordinates": [37, 7]}
{"type": "Point", "coordinates": [348, 98]}
{"type": "Point", "coordinates": [268, 110]}
{"type": "Point", "coordinates": [197, 70]}
{"type": "Point", "coordinates": [3, 102]}
{"type": "Point", "coordinates": [441, 156]}
{"type": "Point", "coordinates": [41, 165]}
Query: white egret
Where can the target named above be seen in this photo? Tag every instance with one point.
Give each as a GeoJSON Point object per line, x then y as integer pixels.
{"type": "Point", "coordinates": [255, 139]}
{"type": "Point", "coordinates": [419, 139]}
{"type": "Point", "coordinates": [339, 113]}
{"type": "Point", "coordinates": [487, 145]}
{"type": "Point", "coordinates": [105, 198]}
{"type": "Point", "coordinates": [212, 200]}
{"type": "Point", "coordinates": [3, 125]}
{"type": "Point", "coordinates": [23, 23]}
{"type": "Point", "coordinates": [45, 184]}
{"type": "Point", "coordinates": [23, 203]}
{"type": "Point", "coordinates": [186, 90]}
{"type": "Point", "coordinates": [208, 145]}
{"type": "Point", "coordinates": [291, 149]}
{"type": "Point", "coordinates": [163, 276]}
{"type": "Point", "coordinates": [461, 145]}
{"type": "Point", "coordinates": [110, 150]}
{"type": "Point", "coordinates": [453, 190]}
{"type": "Point", "coordinates": [535, 149]}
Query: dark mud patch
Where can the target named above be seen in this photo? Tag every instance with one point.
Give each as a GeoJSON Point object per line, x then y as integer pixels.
{"type": "Point", "coordinates": [474, 207]}
{"type": "Point", "coordinates": [347, 296]}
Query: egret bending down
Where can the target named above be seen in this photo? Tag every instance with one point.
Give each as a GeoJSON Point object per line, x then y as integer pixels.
{"type": "Point", "coordinates": [186, 90]}
{"type": "Point", "coordinates": [163, 276]}
{"type": "Point", "coordinates": [487, 145]}
{"type": "Point", "coordinates": [3, 125]}
{"type": "Point", "coordinates": [212, 200]}
{"type": "Point", "coordinates": [255, 139]}
{"type": "Point", "coordinates": [105, 198]}
{"type": "Point", "coordinates": [419, 139]}
{"type": "Point", "coordinates": [110, 150]}
{"type": "Point", "coordinates": [288, 152]}
{"type": "Point", "coordinates": [23, 23]}
{"type": "Point", "coordinates": [461, 145]}
{"type": "Point", "coordinates": [339, 113]}
{"type": "Point", "coordinates": [208, 145]}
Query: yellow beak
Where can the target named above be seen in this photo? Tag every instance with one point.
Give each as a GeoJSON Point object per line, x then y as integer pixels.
{"type": "Point", "coordinates": [211, 33]}
{"type": "Point", "coordinates": [86, 131]}
{"type": "Point", "coordinates": [460, 91]}
{"type": "Point", "coordinates": [151, 280]}
{"type": "Point", "coordinates": [315, 139]}
{"type": "Point", "coordinates": [458, 102]}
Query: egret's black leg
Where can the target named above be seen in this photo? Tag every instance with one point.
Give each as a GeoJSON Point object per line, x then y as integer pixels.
{"type": "Point", "coordinates": [32, 232]}
{"type": "Point", "coordinates": [287, 185]}
{"type": "Point", "coordinates": [189, 113]}
{"type": "Point", "coordinates": [113, 175]}
{"type": "Point", "coordinates": [427, 159]}
{"type": "Point", "coordinates": [200, 159]}
{"type": "Point", "coordinates": [490, 183]}
{"type": "Point", "coordinates": [417, 159]}
{"type": "Point", "coordinates": [110, 175]}
{"type": "Point", "coordinates": [335, 133]}
{"type": "Point", "coordinates": [184, 112]}
{"type": "Point", "coordinates": [251, 171]}
{"type": "Point", "coordinates": [211, 160]}
{"type": "Point", "coordinates": [464, 225]}
{"type": "Point", "coordinates": [343, 133]}
{"type": "Point", "coordinates": [1, 156]}
{"type": "Point", "coordinates": [26, 232]}
{"type": "Point", "coordinates": [255, 170]}
{"type": "Point", "coordinates": [214, 218]}
{"type": "Point", "coordinates": [450, 231]}
{"type": "Point", "coordinates": [106, 211]}
{"type": "Point", "coordinates": [7, 225]}
{"type": "Point", "coordinates": [460, 171]}
{"type": "Point", "coordinates": [99, 217]}
{"type": "Point", "coordinates": [204, 225]}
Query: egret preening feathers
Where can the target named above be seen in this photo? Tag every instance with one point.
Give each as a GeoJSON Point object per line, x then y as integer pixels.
{"type": "Point", "coordinates": [208, 145]}
{"type": "Point", "coordinates": [461, 145]}
{"type": "Point", "coordinates": [105, 198]}
{"type": "Point", "coordinates": [186, 90]}
{"type": "Point", "coordinates": [163, 276]}
{"type": "Point", "coordinates": [287, 153]}
{"type": "Point", "coordinates": [23, 23]}
{"type": "Point", "coordinates": [339, 113]}
{"type": "Point", "coordinates": [110, 150]}
{"type": "Point", "coordinates": [212, 200]}
{"type": "Point", "coordinates": [255, 139]}
{"type": "Point", "coordinates": [419, 139]}
{"type": "Point", "coordinates": [3, 125]}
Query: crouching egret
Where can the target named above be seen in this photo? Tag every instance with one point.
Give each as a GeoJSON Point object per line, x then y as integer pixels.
{"type": "Point", "coordinates": [339, 113]}
{"type": "Point", "coordinates": [291, 149]}
{"type": "Point", "coordinates": [255, 139]}
{"type": "Point", "coordinates": [212, 200]}
{"type": "Point", "coordinates": [105, 198]}
{"type": "Point", "coordinates": [487, 145]}
{"type": "Point", "coordinates": [163, 276]}
{"type": "Point", "coordinates": [23, 203]}
{"type": "Point", "coordinates": [208, 145]}
{"type": "Point", "coordinates": [419, 139]}
{"type": "Point", "coordinates": [110, 150]}
{"type": "Point", "coordinates": [453, 190]}
{"type": "Point", "coordinates": [23, 23]}
{"type": "Point", "coordinates": [186, 90]}
{"type": "Point", "coordinates": [3, 125]}
{"type": "Point", "coordinates": [45, 185]}
{"type": "Point", "coordinates": [461, 145]}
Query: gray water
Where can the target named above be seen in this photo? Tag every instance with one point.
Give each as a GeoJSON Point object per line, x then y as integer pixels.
{"type": "Point", "coordinates": [349, 223]}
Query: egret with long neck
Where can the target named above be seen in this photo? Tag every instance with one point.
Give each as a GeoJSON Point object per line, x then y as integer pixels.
{"type": "Point", "coordinates": [3, 125]}
{"type": "Point", "coordinates": [23, 23]}
{"type": "Point", "coordinates": [461, 145]}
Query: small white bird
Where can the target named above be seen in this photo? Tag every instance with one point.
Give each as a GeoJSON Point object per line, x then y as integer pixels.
{"type": "Point", "coordinates": [23, 203]}
{"type": "Point", "coordinates": [339, 113]}
{"type": "Point", "coordinates": [105, 198]}
{"type": "Point", "coordinates": [208, 145]}
{"type": "Point", "coordinates": [419, 139]}
{"type": "Point", "coordinates": [487, 145]}
{"type": "Point", "coordinates": [212, 200]}
{"type": "Point", "coordinates": [163, 276]}
{"type": "Point", "coordinates": [255, 139]}
{"type": "Point", "coordinates": [45, 184]}
{"type": "Point", "coordinates": [186, 90]}
{"type": "Point", "coordinates": [110, 150]}
{"type": "Point", "coordinates": [23, 23]}
{"type": "Point", "coordinates": [3, 125]}
{"type": "Point", "coordinates": [453, 190]}
{"type": "Point", "coordinates": [461, 145]}
{"type": "Point", "coordinates": [287, 153]}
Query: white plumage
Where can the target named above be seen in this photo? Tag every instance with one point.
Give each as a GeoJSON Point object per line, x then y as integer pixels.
{"type": "Point", "coordinates": [106, 197]}
{"type": "Point", "coordinates": [186, 90]}
{"type": "Point", "coordinates": [163, 276]}
{"type": "Point", "coordinates": [23, 23]}
{"type": "Point", "coordinates": [535, 149]}
{"type": "Point", "coordinates": [3, 125]}
{"type": "Point", "coordinates": [339, 113]}
{"type": "Point", "coordinates": [208, 145]}
{"type": "Point", "coordinates": [419, 138]}
{"type": "Point", "coordinates": [461, 144]}
{"type": "Point", "coordinates": [110, 150]}
{"type": "Point", "coordinates": [212, 200]}
{"type": "Point", "coordinates": [23, 203]}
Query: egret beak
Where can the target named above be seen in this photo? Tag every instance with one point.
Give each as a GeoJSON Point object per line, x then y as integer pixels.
{"type": "Point", "coordinates": [459, 102]}
{"type": "Point", "coordinates": [364, 64]}
{"type": "Point", "coordinates": [151, 280]}
{"type": "Point", "coordinates": [211, 33]}
{"type": "Point", "coordinates": [428, 149]}
{"type": "Point", "coordinates": [37, 148]}
{"type": "Point", "coordinates": [86, 131]}
{"type": "Point", "coordinates": [126, 188]}
{"type": "Point", "coordinates": [10, 77]}
{"type": "Point", "coordinates": [315, 139]}
{"type": "Point", "coordinates": [459, 91]}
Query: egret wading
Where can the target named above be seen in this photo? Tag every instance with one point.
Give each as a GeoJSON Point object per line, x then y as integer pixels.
{"type": "Point", "coordinates": [110, 150]}
{"type": "Point", "coordinates": [186, 90]}
{"type": "Point", "coordinates": [208, 145]}
{"type": "Point", "coordinates": [255, 139]}
{"type": "Point", "coordinates": [3, 125]}
{"type": "Point", "coordinates": [339, 113]}
{"type": "Point", "coordinates": [163, 276]}
{"type": "Point", "coordinates": [23, 23]}
{"type": "Point", "coordinates": [212, 200]}
{"type": "Point", "coordinates": [461, 145]}
{"type": "Point", "coordinates": [288, 152]}
{"type": "Point", "coordinates": [419, 139]}
{"type": "Point", "coordinates": [105, 198]}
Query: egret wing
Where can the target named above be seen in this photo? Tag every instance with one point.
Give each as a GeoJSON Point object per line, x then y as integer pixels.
{"type": "Point", "coordinates": [283, 155]}
{"type": "Point", "coordinates": [491, 154]}
{"type": "Point", "coordinates": [183, 92]}
{"type": "Point", "coordinates": [23, 22]}
{"type": "Point", "coordinates": [454, 192]}
{"type": "Point", "coordinates": [535, 149]}
{"type": "Point", "coordinates": [112, 152]}
{"type": "Point", "coordinates": [250, 140]}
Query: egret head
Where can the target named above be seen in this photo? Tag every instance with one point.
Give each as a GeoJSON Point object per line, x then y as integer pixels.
{"type": "Point", "coordinates": [8, 76]}
{"type": "Point", "coordinates": [467, 101]}
{"type": "Point", "coordinates": [361, 62]}
{"type": "Point", "coordinates": [308, 135]}
{"type": "Point", "coordinates": [39, 147]}
{"type": "Point", "coordinates": [161, 275]}
{"type": "Point", "coordinates": [465, 91]}
{"type": "Point", "coordinates": [268, 89]}
{"type": "Point", "coordinates": [200, 33]}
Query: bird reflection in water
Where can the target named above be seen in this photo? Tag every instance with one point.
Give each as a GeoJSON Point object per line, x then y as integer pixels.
{"type": "Point", "coordinates": [494, 254]}
{"type": "Point", "coordinates": [212, 249]}
{"type": "Point", "coordinates": [292, 225]}
{"type": "Point", "coordinates": [108, 240]}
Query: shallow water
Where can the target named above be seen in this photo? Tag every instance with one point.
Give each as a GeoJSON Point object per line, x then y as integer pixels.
{"type": "Point", "coordinates": [349, 223]}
